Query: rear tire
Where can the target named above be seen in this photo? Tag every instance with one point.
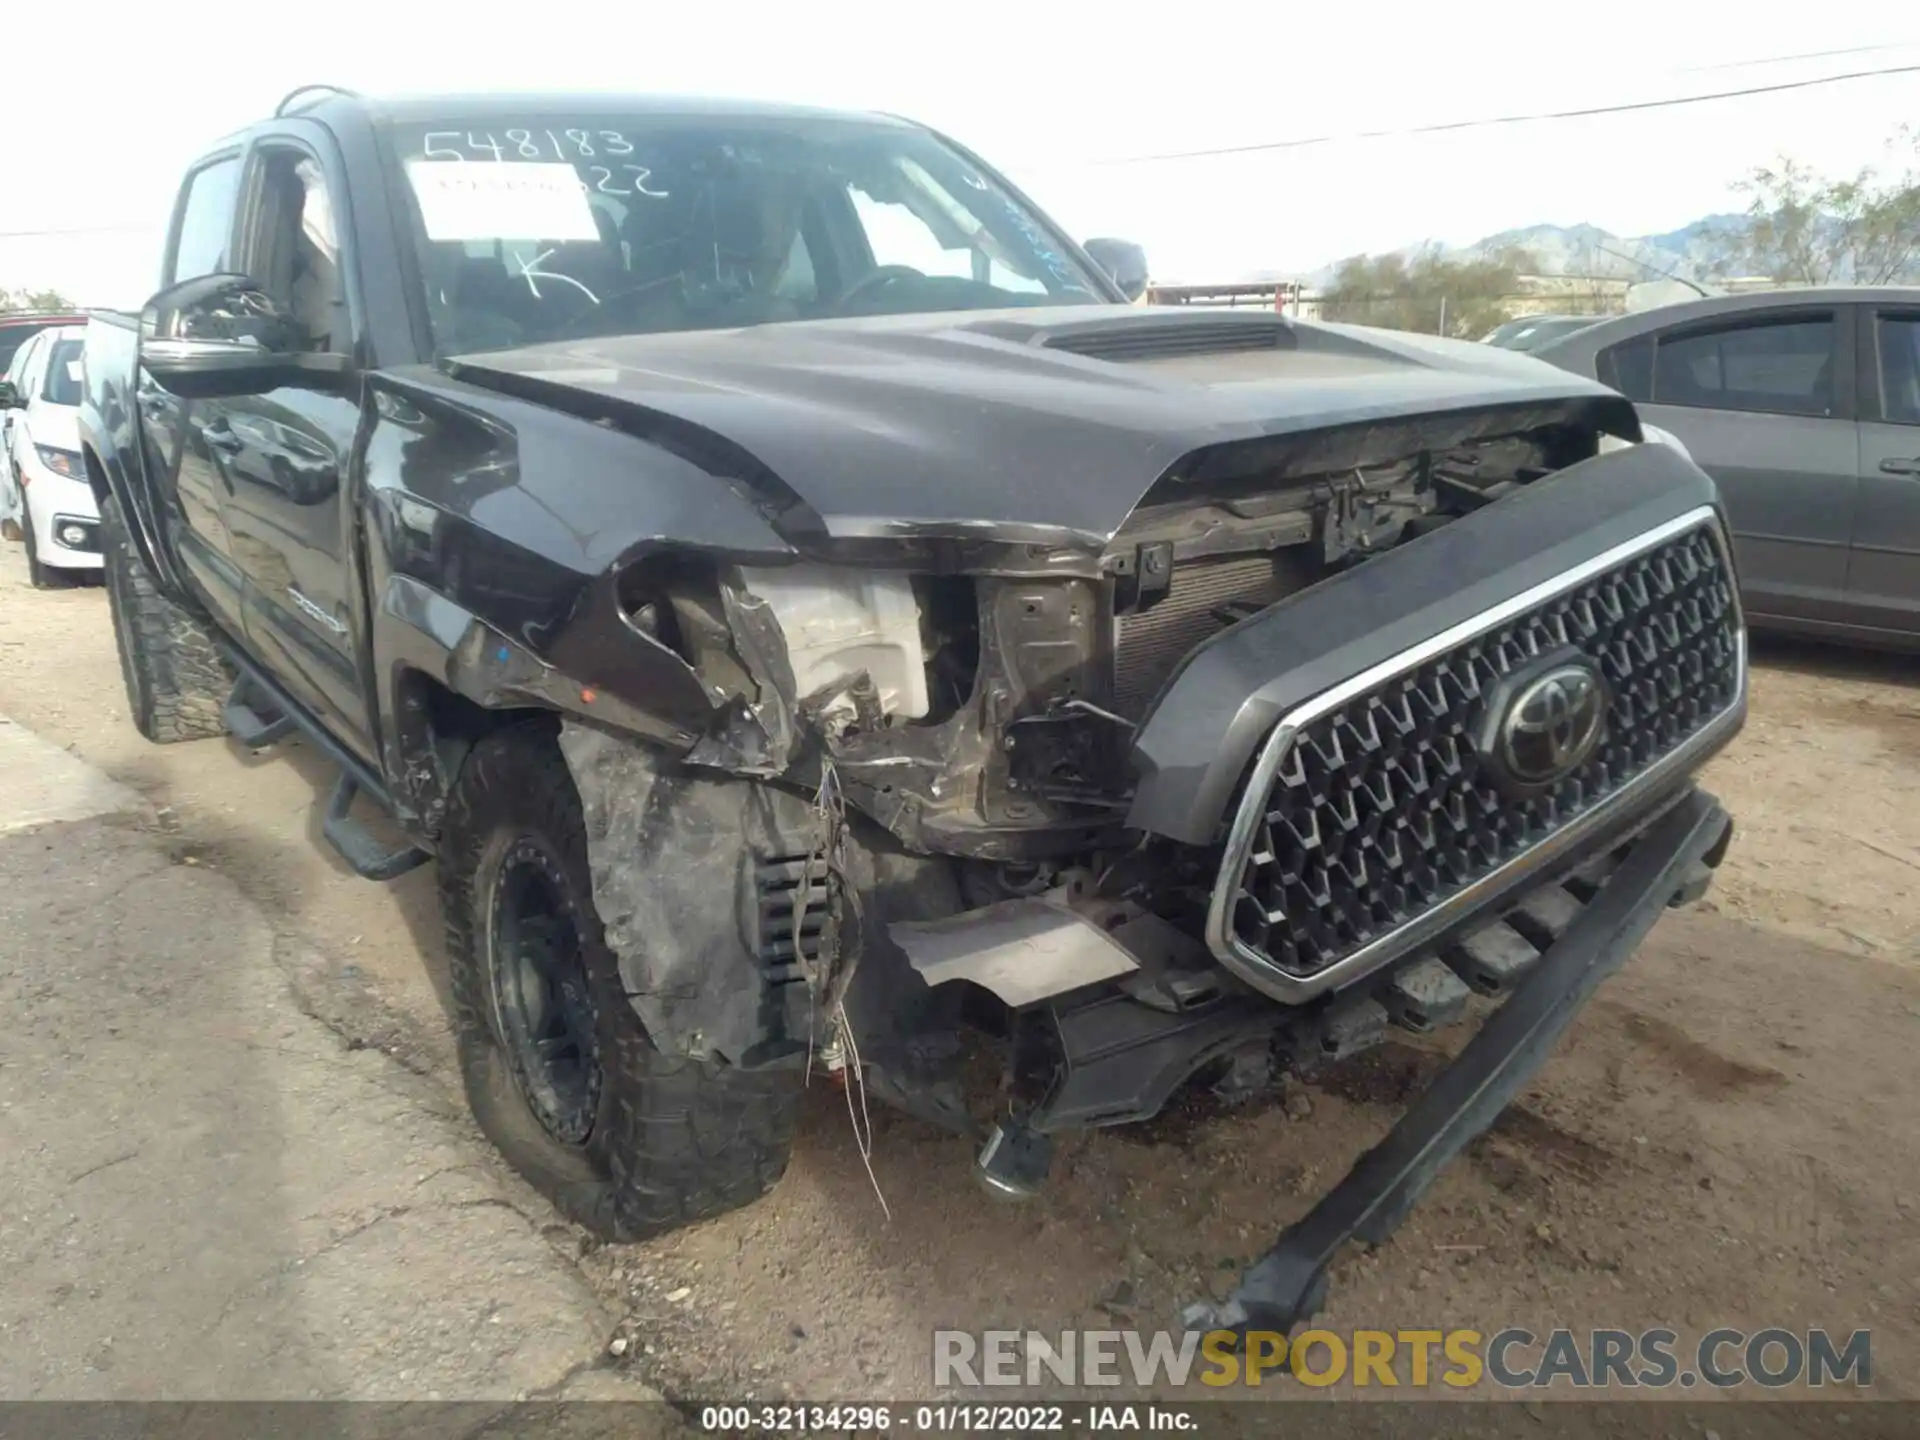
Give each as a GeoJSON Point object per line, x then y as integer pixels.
{"type": "Point", "coordinates": [624, 1139]}
{"type": "Point", "coordinates": [176, 678]}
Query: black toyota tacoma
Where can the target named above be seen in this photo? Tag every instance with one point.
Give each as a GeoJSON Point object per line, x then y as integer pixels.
{"type": "Point", "coordinates": [810, 619]}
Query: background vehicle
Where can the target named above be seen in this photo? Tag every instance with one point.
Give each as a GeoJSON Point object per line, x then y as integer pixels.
{"type": "Point", "coordinates": [1804, 406]}
{"type": "Point", "coordinates": [1530, 332]}
{"type": "Point", "coordinates": [46, 480]}
{"type": "Point", "coordinates": [16, 330]}
{"type": "Point", "coordinates": [805, 611]}
{"type": "Point", "coordinates": [9, 489]}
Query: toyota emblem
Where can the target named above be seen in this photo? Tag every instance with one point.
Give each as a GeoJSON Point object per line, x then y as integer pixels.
{"type": "Point", "coordinates": [1552, 724]}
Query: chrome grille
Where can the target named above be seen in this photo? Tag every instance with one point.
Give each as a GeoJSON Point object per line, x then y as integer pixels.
{"type": "Point", "coordinates": [1378, 811]}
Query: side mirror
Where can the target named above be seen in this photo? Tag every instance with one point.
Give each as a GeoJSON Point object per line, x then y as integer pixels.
{"type": "Point", "coordinates": [223, 335]}
{"type": "Point", "coordinates": [1125, 261]}
{"type": "Point", "coordinates": [10, 397]}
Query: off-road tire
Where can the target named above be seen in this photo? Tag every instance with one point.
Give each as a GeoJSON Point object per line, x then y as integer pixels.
{"type": "Point", "coordinates": [673, 1140]}
{"type": "Point", "coordinates": [177, 681]}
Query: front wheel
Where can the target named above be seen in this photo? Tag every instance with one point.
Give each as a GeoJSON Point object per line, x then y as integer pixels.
{"type": "Point", "coordinates": [39, 574]}
{"type": "Point", "coordinates": [624, 1139]}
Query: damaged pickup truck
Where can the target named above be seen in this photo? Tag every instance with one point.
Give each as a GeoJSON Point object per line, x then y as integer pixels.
{"type": "Point", "coordinates": [811, 619]}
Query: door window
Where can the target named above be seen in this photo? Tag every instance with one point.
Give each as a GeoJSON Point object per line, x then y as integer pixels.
{"type": "Point", "coordinates": [1900, 369]}
{"type": "Point", "coordinates": [1781, 367]}
{"type": "Point", "coordinates": [21, 371]}
{"type": "Point", "coordinates": [925, 230]}
{"type": "Point", "coordinates": [292, 249]}
{"type": "Point", "coordinates": [1628, 368]}
{"type": "Point", "coordinates": [206, 221]}
{"type": "Point", "coordinates": [14, 339]}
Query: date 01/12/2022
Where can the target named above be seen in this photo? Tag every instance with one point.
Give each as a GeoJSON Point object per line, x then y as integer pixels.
{"type": "Point", "coordinates": [946, 1418]}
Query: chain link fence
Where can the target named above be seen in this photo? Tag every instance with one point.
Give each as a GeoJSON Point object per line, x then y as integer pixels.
{"type": "Point", "coordinates": [1467, 315]}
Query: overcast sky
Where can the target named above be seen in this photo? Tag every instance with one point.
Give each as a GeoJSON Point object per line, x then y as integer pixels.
{"type": "Point", "coordinates": [102, 113]}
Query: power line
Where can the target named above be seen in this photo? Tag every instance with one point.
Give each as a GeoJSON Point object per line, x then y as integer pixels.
{"type": "Point", "coordinates": [1802, 55]}
{"type": "Point", "coordinates": [1624, 108]}
{"type": "Point", "coordinates": [1619, 109]}
{"type": "Point", "coordinates": [75, 230]}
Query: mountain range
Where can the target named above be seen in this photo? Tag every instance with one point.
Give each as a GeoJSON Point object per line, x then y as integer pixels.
{"type": "Point", "coordinates": [1689, 252]}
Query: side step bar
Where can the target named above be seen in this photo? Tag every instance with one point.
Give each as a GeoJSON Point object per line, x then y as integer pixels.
{"type": "Point", "coordinates": [1288, 1284]}
{"type": "Point", "coordinates": [258, 715]}
{"type": "Point", "coordinates": [252, 718]}
{"type": "Point", "coordinates": [357, 845]}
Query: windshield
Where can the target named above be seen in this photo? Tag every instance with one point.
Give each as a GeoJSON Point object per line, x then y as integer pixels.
{"type": "Point", "coordinates": [62, 386]}
{"type": "Point", "coordinates": [555, 226]}
{"type": "Point", "coordinates": [1530, 332]}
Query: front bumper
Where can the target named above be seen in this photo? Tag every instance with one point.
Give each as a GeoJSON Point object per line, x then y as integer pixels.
{"type": "Point", "coordinates": [1667, 865]}
{"type": "Point", "coordinates": [61, 510]}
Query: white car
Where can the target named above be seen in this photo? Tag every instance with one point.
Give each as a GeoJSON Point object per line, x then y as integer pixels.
{"type": "Point", "coordinates": [44, 478]}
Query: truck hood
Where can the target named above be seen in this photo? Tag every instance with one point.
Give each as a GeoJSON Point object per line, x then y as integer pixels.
{"type": "Point", "coordinates": [1045, 425]}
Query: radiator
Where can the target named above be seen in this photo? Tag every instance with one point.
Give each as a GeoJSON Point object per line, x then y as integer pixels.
{"type": "Point", "coordinates": [1148, 645]}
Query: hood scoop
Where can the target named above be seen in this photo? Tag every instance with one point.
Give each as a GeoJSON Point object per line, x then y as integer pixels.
{"type": "Point", "coordinates": [1174, 337]}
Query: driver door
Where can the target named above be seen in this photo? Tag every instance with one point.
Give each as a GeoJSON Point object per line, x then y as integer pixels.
{"type": "Point", "coordinates": [283, 455]}
{"type": "Point", "coordinates": [177, 461]}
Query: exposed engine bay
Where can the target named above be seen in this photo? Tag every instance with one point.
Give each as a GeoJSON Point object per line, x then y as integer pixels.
{"type": "Point", "coordinates": [953, 742]}
{"type": "Point", "coordinates": [981, 703]}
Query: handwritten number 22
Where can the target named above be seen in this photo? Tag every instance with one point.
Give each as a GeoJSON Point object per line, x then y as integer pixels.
{"type": "Point", "coordinates": [603, 182]}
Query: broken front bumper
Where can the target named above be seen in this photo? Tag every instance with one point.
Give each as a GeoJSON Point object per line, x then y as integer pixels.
{"type": "Point", "coordinates": [1666, 866]}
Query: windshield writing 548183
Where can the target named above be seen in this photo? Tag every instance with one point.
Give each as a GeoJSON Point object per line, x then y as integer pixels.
{"type": "Point", "coordinates": [600, 153]}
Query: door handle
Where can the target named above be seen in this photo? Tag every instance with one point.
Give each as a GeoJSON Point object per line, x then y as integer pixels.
{"type": "Point", "coordinates": [1900, 467]}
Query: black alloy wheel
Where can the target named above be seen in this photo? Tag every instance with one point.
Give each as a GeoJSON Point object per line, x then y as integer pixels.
{"type": "Point", "coordinates": [541, 997]}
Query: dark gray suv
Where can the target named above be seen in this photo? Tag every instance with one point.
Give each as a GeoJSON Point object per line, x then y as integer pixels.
{"type": "Point", "coordinates": [1804, 406]}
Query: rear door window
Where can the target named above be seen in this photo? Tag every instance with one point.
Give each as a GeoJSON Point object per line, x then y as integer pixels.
{"type": "Point", "coordinates": [1899, 344]}
{"type": "Point", "coordinates": [1780, 367]}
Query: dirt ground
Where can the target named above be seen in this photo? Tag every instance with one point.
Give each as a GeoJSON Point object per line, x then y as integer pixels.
{"type": "Point", "coordinates": [1726, 1137]}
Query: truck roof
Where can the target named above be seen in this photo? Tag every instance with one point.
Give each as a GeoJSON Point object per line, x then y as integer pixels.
{"type": "Point", "coordinates": [321, 101]}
